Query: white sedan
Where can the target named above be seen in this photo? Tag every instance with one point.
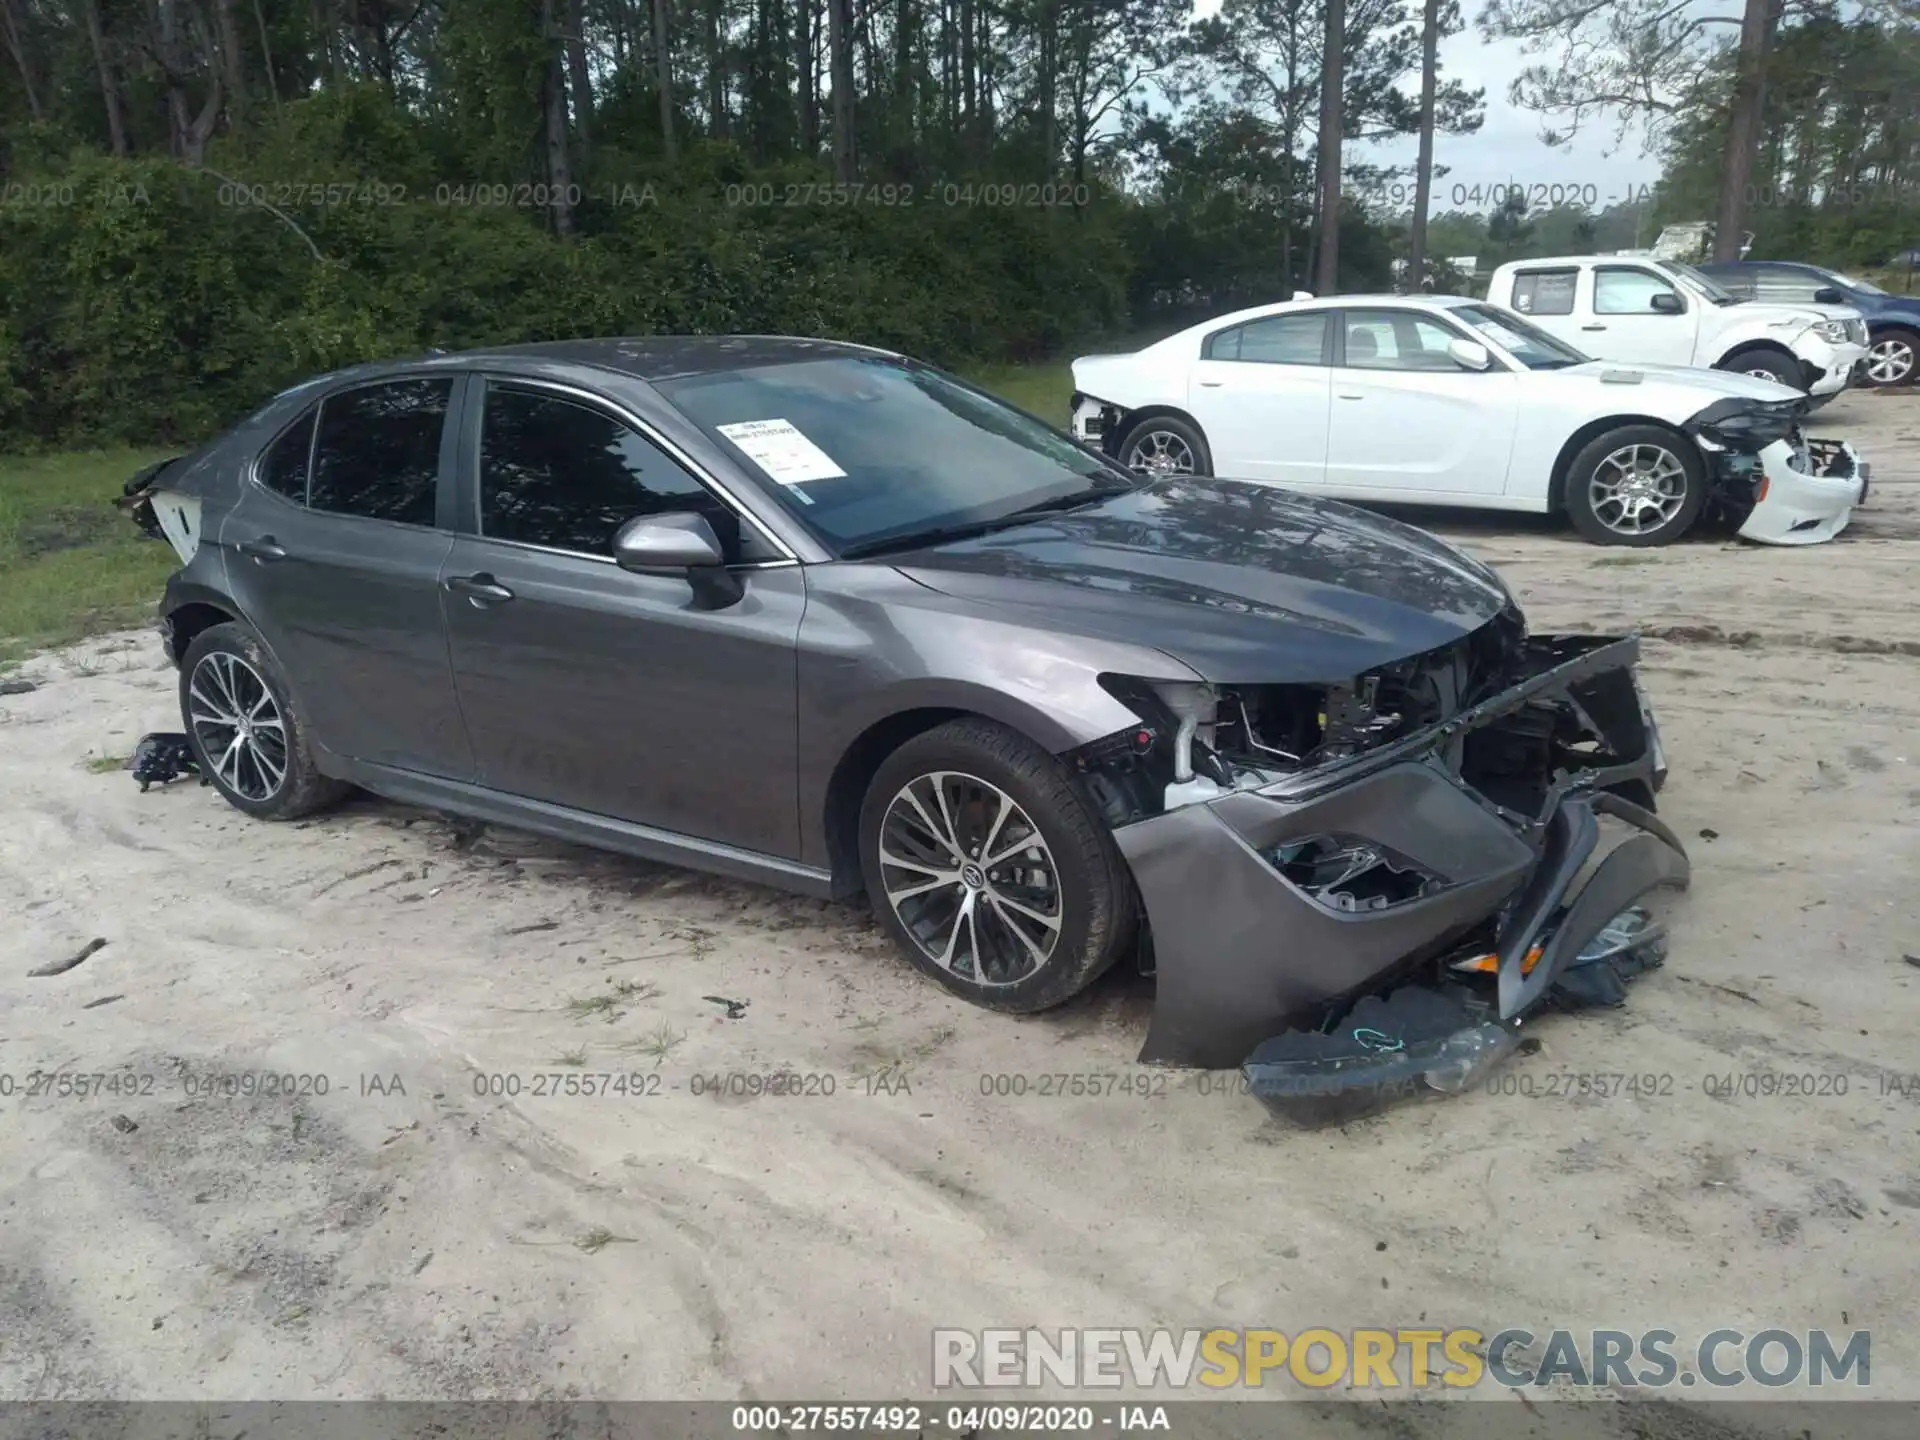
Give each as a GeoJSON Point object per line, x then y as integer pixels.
{"type": "Point", "coordinates": [1436, 400]}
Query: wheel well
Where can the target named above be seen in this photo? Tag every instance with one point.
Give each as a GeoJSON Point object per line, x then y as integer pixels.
{"type": "Point", "coordinates": [186, 624]}
{"type": "Point", "coordinates": [1758, 347]}
{"type": "Point", "coordinates": [848, 787]}
{"type": "Point", "coordinates": [1579, 440]}
{"type": "Point", "coordinates": [1904, 326]}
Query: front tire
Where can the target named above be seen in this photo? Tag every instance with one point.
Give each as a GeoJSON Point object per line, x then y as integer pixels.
{"type": "Point", "coordinates": [1164, 446]}
{"type": "Point", "coordinates": [1893, 358]}
{"type": "Point", "coordinates": [1636, 485]}
{"type": "Point", "coordinates": [989, 871]}
{"type": "Point", "coordinates": [248, 736]}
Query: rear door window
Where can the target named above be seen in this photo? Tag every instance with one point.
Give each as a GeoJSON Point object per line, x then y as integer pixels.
{"type": "Point", "coordinates": [378, 451]}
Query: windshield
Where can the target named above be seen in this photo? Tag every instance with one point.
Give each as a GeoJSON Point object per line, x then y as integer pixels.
{"type": "Point", "coordinates": [1530, 345]}
{"type": "Point", "coordinates": [1705, 284]}
{"type": "Point", "coordinates": [869, 452]}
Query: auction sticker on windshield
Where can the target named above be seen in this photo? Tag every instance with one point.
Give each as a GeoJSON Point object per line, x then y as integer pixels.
{"type": "Point", "coordinates": [778, 448]}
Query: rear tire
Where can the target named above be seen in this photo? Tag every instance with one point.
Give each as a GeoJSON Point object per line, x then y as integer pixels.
{"type": "Point", "coordinates": [248, 735]}
{"type": "Point", "coordinates": [1893, 358]}
{"type": "Point", "coordinates": [989, 871]}
{"type": "Point", "coordinates": [1165, 447]}
{"type": "Point", "coordinates": [1766, 365]}
{"type": "Point", "coordinates": [1635, 485]}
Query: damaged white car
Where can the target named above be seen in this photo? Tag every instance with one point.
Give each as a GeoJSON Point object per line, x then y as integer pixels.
{"type": "Point", "coordinates": [1437, 400]}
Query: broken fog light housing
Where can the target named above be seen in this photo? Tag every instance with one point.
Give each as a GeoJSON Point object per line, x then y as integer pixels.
{"type": "Point", "coordinates": [1350, 875]}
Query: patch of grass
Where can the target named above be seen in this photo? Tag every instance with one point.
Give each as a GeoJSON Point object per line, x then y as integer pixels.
{"type": "Point", "coordinates": [573, 1059]}
{"type": "Point", "coordinates": [1045, 389]}
{"type": "Point", "coordinates": [1626, 560]}
{"type": "Point", "coordinates": [105, 764]}
{"type": "Point", "coordinates": [70, 564]}
{"type": "Point", "coordinates": [660, 1043]}
{"type": "Point", "coordinates": [598, 1238]}
{"type": "Point", "coordinates": [607, 1004]}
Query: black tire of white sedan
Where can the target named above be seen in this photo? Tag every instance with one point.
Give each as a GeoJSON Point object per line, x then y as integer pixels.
{"type": "Point", "coordinates": [1165, 446]}
{"type": "Point", "coordinates": [989, 871]}
{"type": "Point", "coordinates": [1893, 359]}
{"type": "Point", "coordinates": [1636, 485]}
{"type": "Point", "coordinates": [248, 736]}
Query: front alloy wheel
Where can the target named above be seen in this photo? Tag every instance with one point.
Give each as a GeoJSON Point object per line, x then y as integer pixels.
{"type": "Point", "coordinates": [990, 869]}
{"type": "Point", "coordinates": [970, 878]}
{"type": "Point", "coordinates": [239, 726]}
{"type": "Point", "coordinates": [1638, 490]}
{"type": "Point", "coordinates": [1890, 361]}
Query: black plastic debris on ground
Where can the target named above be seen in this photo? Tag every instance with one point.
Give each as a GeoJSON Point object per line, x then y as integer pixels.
{"type": "Point", "coordinates": [17, 687]}
{"type": "Point", "coordinates": [735, 1008]}
{"type": "Point", "coordinates": [1413, 1041]}
{"type": "Point", "coordinates": [1420, 1039]}
{"type": "Point", "coordinates": [163, 756]}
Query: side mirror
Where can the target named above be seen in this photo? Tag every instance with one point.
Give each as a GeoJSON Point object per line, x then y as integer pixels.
{"type": "Point", "coordinates": [1665, 302]}
{"type": "Point", "coordinates": [666, 544]}
{"type": "Point", "coordinates": [1827, 295]}
{"type": "Point", "coordinates": [1470, 354]}
{"type": "Point", "coordinates": [680, 544]}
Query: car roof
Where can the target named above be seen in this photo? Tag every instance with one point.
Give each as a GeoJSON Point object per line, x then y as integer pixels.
{"type": "Point", "coordinates": [669, 357]}
{"type": "Point", "coordinates": [1330, 302]}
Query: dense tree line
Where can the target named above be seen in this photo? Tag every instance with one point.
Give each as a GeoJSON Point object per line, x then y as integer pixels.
{"type": "Point", "coordinates": [207, 198]}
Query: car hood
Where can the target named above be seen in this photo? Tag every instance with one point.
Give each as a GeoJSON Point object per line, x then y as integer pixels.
{"type": "Point", "coordinates": [1716, 383]}
{"type": "Point", "coordinates": [1242, 583]}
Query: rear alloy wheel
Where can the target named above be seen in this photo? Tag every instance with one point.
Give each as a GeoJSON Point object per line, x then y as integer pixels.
{"type": "Point", "coordinates": [1637, 485]}
{"type": "Point", "coordinates": [1164, 447]}
{"type": "Point", "coordinates": [988, 869]}
{"type": "Point", "coordinates": [248, 737]}
{"type": "Point", "coordinates": [1890, 360]}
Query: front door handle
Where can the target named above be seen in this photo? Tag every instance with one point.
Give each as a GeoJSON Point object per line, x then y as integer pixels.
{"type": "Point", "coordinates": [1210, 384]}
{"type": "Point", "coordinates": [1352, 394]}
{"type": "Point", "coordinates": [264, 549]}
{"type": "Point", "coordinates": [482, 589]}
{"type": "Point", "coordinates": [1593, 327]}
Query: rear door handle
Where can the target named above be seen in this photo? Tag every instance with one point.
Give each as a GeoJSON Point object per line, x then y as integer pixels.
{"type": "Point", "coordinates": [265, 548]}
{"type": "Point", "coordinates": [1352, 394]}
{"type": "Point", "coordinates": [482, 589]}
{"type": "Point", "coordinates": [1593, 327]}
{"type": "Point", "coordinates": [1210, 384]}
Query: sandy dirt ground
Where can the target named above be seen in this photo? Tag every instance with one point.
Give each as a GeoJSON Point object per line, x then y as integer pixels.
{"type": "Point", "coordinates": [403, 1235]}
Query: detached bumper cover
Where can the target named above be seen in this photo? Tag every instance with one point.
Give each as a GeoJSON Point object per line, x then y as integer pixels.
{"type": "Point", "coordinates": [1809, 494]}
{"type": "Point", "coordinates": [1242, 951]}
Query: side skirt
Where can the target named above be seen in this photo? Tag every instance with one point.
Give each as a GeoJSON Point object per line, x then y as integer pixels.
{"type": "Point", "coordinates": [581, 827]}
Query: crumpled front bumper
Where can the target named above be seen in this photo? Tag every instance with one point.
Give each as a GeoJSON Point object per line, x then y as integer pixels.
{"type": "Point", "coordinates": [1829, 367]}
{"type": "Point", "coordinates": [1809, 499]}
{"type": "Point", "coordinates": [1242, 952]}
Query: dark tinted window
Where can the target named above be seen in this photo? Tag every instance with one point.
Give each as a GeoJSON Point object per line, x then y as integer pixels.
{"type": "Point", "coordinates": [283, 469]}
{"type": "Point", "coordinates": [379, 450]}
{"type": "Point", "coordinates": [1275, 340]}
{"type": "Point", "coordinates": [568, 476]}
{"type": "Point", "coordinates": [1544, 292]}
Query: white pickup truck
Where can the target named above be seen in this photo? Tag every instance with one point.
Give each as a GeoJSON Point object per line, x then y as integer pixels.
{"type": "Point", "coordinates": [1657, 312]}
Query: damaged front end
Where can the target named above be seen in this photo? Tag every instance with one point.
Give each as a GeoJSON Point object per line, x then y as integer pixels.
{"type": "Point", "coordinates": [1418, 857]}
{"type": "Point", "coordinates": [1769, 481]}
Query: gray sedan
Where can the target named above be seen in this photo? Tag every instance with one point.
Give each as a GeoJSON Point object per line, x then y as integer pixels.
{"type": "Point", "coordinates": [822, 617]}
